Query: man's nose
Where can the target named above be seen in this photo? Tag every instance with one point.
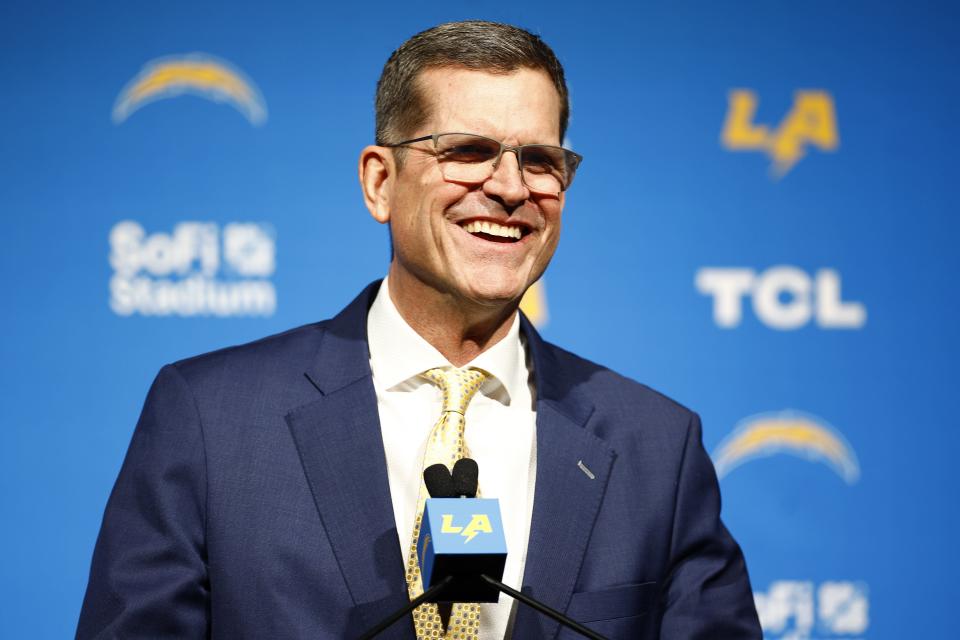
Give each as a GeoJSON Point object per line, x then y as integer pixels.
{"type": "Point", "coordinates": [506, 181]}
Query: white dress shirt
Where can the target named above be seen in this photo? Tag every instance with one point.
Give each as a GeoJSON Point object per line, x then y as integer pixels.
{"type": "Point", "coordinates": [500, 432]}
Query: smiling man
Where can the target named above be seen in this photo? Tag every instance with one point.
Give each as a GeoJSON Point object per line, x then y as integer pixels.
{"type": "Point", "coordinates": [471, 230]}
{"type": "Point", "coordinates": [274, 490]}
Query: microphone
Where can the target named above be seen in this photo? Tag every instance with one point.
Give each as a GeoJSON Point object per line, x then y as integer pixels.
{"type": "Point", "coordinates": [462, 549]}
{"type": "Point", "coordinates": [440, 484]}
{"type": "Point", "coordinates": [460, 538]}
{"type": "Point", "coordinates": [466, 476]}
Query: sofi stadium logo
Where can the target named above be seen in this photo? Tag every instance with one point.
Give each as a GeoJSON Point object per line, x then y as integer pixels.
{"type": "Point", "coordinates": [810, 122]}
{"type": "Point", "coordinates": [195, 74]}
{"type": "Point", "coordinates": [197, 269]}
{"type": "Point", "coordinates": [802, 610]}
{"type": "Point", "coordinates": [782, 297]}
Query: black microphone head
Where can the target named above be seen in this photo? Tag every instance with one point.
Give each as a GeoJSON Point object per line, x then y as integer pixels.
{"type": "Point", "coordinates": [466, 477]}
{"type": "Point", "coordinates": [439, 481]}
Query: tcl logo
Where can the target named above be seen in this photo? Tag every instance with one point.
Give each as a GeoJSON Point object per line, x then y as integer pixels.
{"type": "Point", "coordinates": [783, 297]}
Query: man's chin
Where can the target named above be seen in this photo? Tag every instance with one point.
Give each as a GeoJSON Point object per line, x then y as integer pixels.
{"type": "Point", "coordinates": [495, 294]}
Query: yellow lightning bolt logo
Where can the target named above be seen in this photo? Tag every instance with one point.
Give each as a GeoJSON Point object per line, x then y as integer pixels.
{"type": "Point", "coordinates": [812, 121]}
{"type": "Point", "coordinates": [479, 523]}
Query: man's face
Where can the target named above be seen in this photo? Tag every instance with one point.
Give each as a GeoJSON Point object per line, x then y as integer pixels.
{"type": "Point", "coordinates": [429, 216]}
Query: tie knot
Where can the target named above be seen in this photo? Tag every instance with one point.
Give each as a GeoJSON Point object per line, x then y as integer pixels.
{"type": "Point", "coordinates": [458, 386]}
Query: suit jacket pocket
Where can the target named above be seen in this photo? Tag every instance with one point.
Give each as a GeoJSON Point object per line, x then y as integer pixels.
{"type": "Point", "coordinates": [615, 602]}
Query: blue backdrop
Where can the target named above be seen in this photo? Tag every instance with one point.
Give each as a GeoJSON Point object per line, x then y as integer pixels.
{"type": "Point", "coordinates": [763, 228]}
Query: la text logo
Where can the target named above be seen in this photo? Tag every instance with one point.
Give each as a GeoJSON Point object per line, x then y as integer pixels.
{"type": "Point", "coordinates": [811, 121]}
{"type": "Point", "coordinates": [479, 523]}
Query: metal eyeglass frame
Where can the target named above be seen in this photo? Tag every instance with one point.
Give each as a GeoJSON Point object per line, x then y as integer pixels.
{"type": "Point", "coordinates": [573, 158]}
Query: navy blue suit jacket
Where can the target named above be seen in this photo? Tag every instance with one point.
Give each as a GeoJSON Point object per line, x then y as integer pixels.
{"type": "Point", "coordinates": [254, 503]}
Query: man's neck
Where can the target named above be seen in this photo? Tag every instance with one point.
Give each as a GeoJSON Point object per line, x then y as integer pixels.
{"type": "Point", "coordinates": [460, 330]}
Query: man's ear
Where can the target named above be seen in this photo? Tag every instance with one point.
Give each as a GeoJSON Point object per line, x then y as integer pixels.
{"type": "Point", "coordinates": [377, 172]}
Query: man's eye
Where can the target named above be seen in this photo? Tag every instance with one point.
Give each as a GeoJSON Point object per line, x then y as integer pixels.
{"type": "Point", "coordinates": [539, 162]}
{"type": "Point", "coordinates": [468, 153]}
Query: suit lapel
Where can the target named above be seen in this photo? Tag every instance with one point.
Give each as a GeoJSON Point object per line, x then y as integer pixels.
{"type": "Point", "coordinates": [341, 448]}
{"type": "Point", "coordinates": [566, 498]}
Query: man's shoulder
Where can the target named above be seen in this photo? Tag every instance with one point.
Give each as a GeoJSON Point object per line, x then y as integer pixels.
{"type": "Point", "coordinates": [278, 355]}
{"type": "Point", "coordinates": [614, 393]}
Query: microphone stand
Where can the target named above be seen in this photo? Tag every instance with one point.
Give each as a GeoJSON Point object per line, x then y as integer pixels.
{"type": "Point", "coordinates": [544, 609]}
{"type": "Point", "coordinates": [413, 604]}
{"type": "Point", "coordinates": [513, 593]}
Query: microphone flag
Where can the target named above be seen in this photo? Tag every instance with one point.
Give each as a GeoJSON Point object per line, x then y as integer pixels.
{"type": "Point", "coordinates": [462, 538]}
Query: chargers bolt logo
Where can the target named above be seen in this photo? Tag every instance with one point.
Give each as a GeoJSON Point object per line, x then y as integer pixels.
{"type": "Point", "coordinates": [196, 74]}
{"type": "Point", "coordinates": [789, 432]}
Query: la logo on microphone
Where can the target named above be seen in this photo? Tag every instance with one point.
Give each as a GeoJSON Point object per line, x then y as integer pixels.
{"type": "Point", "coordinates": [463, 538]}
{"type": "Point", "coordinates": [479, 523]}
{"type": "Point", "coordinates": [462, 526]}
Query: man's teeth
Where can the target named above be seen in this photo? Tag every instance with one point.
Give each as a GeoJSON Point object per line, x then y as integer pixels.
{"type": "Point", "coordinates": [493, 229]}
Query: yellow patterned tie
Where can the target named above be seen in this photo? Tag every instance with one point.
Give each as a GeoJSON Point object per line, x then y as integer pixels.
{"type": "Point", "coordinates": [445, 445]}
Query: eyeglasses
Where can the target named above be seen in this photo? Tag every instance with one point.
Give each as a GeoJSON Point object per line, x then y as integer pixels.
{"type": "Point", "coordinates": [470, 158]}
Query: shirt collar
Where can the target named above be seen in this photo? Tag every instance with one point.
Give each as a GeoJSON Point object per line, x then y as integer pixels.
{"type": "Point", "coordinates": [398, 353]}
